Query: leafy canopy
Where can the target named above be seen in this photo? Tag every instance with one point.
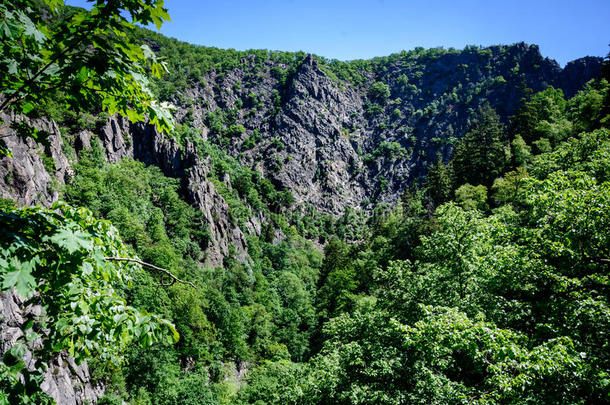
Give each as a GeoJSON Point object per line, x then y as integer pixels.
{"type": "Point", "coordinates": [90, 56]}
{"type": "Point", "coordinates": [55, 258]}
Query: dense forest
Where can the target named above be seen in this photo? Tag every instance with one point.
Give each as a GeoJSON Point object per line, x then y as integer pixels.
{"type": "Point", "coordinates": [450, 245]}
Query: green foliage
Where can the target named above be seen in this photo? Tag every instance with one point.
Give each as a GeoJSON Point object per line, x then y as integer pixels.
{"type": "Point", "coordinates": [144, 205]}
{"type": "Point", "coordinates": [472, 197]}
{"type": "Point", "coordinates": [259, 309]}
{"type": "Point", "coordinates": [542, 116]}
{"type": "Point", "coordinates": [483, 153]}
{"type": "Point", "coordinates": [373, 109]}
{"type": "Point", "coordinates": [445, 357]}
{"type": "Point", "coordinates": [439, 182]}
{"type": "Point", "coordinates": [507, 188]}
{"type": "Point", "coordinates": [379, 91]}
{"type": "Point", "coordinates": [449, 256]}
{"type": "Point", "coordinates": [492, 365]}
{"type": "Point", "coordinates": [521, 152]}
{"type": "Point", "coordinates": [235, 129]}
{"type": "Point", "coordinates": [56, 259]}
{"type": "Point", "coordinates": [588, 153]}
{"type": "Point", "coordinates": [275, 382]}
{"type": "Point", "coordinates": [589, 107]}
{"type": "Point", "coordinates": [390, 150]}
{"type": "Point", "coordinates": [436, 300]}
{"type": "Point", "coordinates": [88, 54]}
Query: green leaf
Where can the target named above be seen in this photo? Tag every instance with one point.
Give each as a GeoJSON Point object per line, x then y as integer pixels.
{"type": "Point", "coordinates": [14, 354]}
{"type": "Point", "coordinates": [87, 268]}
{"type": "Point", "coordinates": [175, 334]}
{"type": "Point", "coordinates": [19, 276]}
{"type": "Point", "coordinates": [30, 29]}
{"type": "Point", "coordinates": [148, 53]}
{"type": "Point", "coordinates": [159, 15]}
{"type": "Point", "coordinates": [72, 240]}
{"type": "Point", "coordinates": [82, 74]}
{"type": "Point", "coordinates": [27, 107]}
{"type": "Point", "coordinates": [11, 66]}
{"type": "Point", "coordinates": [5, 30]}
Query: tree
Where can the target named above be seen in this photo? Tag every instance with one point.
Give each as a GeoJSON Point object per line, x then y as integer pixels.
{"type": "Point", "coordinates": [483, 153]}
{"type": "Point", "coordinates": [58, 258]}
{"type": "Point", "coordinates": [507, 188]}
{"type": "Point", "coordinates": [379, 91]}
{"type": "Point", "coordinates": [275, 382]}
{"type": "Point", "coordinates": [472, 197]}
{"type": "Point", "coordinates": [439, 182]}
{"type": "Point", "coordinates": [90, 57]}
{"type": "Point", "coordinates": [449, 256]}
{"type": "Point", "coordinates": [443, 358]}
{"type": "Point", "coordinates": [590, 107]}
{"type": "Point", "coordinates": [522, 152]}
{"type": "Point", "coordinates": [542, 116]}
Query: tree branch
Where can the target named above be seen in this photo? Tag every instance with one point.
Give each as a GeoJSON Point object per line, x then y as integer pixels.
{"type": "Point", "coordinates": [152, 266]}
{"type": "Point", "coordinates": [24, 87]}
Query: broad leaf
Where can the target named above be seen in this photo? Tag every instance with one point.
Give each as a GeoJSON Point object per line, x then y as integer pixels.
{"type": "Point", "coordinates": [19, 276]}
{"type": "Point", "coordinates": [72, 240]}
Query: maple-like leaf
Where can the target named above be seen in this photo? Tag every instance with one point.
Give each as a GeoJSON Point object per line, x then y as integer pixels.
{"type": "Point", "coordinates": [19, 276]}
{"type": "Point", "coordinates": [72, 240]}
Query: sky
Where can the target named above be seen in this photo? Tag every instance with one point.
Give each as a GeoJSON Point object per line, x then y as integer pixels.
{"type": "Point", "coordinates": [361, 29]}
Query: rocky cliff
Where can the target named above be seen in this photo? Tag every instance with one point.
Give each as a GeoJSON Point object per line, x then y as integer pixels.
{"type": "Point", "coordinates": [337, 142]}
{"type": "Point", "coordinates": [34, 174]}
{"type": "Point", "coordinates": [332, 142]}
{"type": "Point", "coordinates": [65, 381]}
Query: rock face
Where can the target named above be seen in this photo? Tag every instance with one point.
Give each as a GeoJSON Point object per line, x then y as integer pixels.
{"type": "Point", "coordinates": [571, 77]}
{"type": "Point", "coordinates": [142, 142]}
{"type": "Point", "coordinates": [335, 143]}
{"type": "Point", "coordinates": [66, 382]}
{"type": "Point", "coordinates": [318, 157]}
{"type": "Point", "coordinates": [202, 194]}
{"type": "Point", "coordinates": [24, 176]}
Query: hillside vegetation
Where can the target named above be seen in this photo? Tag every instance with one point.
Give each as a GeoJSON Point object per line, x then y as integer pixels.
{"type": "Point", "coordinates": [347, 134]}
{"type": "Point", "coordinates": [428, 227]}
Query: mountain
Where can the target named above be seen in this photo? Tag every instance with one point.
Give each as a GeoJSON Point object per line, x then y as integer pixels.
{"type": "Point", "coordinates": [269, 195]}
{"type": "Point", "coordinates": [333, 134]}
{"type": "Point", "coordinates": [339, 134]}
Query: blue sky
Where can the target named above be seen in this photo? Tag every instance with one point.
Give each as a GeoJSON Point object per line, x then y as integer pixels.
{"type": "Point", "coordinates": [360, 29]}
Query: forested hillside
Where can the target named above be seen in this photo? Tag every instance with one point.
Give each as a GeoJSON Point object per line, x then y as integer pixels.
{"type": "Point", "coordinates": [339, 134]}
{"type": "Point", "coordinates": [428, 227]}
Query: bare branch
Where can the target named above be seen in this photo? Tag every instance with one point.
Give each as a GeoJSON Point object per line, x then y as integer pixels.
{"type": "Point", "coordinates": [152, 266]}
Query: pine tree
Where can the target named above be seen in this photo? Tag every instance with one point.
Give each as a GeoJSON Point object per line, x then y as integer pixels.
{"type": "Point", "coordinates": [483, 153]}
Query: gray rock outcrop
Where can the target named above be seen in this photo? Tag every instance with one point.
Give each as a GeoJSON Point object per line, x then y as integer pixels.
{"type": "Point", "coordinates": [65, 381]}
{"type": "Point", "coordinates": [334, 145]}
{"type": "Point", "coordinates": [32, 175]}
